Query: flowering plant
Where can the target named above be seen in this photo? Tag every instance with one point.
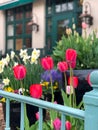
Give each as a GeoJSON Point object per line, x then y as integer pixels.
{"type": "Point", "coordinates": [28, 75]}
{"type": "Point", "coordinates": [53, 122]}
{"type": "Point", "coordinates": [18, 71]}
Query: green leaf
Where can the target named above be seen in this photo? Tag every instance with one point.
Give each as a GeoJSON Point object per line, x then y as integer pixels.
{"type": "Point", "coordinates": [65, 98]}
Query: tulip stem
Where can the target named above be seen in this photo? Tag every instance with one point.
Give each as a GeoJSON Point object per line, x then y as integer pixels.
{"type": "Point", "coordinates": [22, 86]}
{"type": "Point", "coordinates": [65, 81]}
{"type": "Point", "coordinates": [52, 100]}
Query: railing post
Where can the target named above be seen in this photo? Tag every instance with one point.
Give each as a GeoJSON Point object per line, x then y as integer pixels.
{"type": "Point", "coordinates": [91, 104]}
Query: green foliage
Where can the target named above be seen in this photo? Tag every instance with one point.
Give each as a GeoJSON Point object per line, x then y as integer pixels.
{"type": "Point", "coordinates": [87, 50]}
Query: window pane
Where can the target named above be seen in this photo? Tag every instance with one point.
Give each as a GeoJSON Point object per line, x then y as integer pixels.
{"type": "Point", "coordinates": [10, 16]}
{"type": "Point", "coordinates": [10, 44]}
{"type": "Point", "coordinates": [19, 13]}
{"type": "Point", "coordinates": [64, 7]}
{"type": "Point", "coordinates": [28, 13]}
{"type": "Point", "coordinates": [70, 6]}
{"type": "Point", "coordinates": [49, 43]}
{"type": "Point", "coordinates": [28, 43]}
{"type": "Point", "coordinates": [49, 4]}
{"type": "Point", "coordinates": [10, 30]}
{"type": "Point", "coordinates": [19, 43]}
{"type": "Point", "coordinates": [49, 25]}
{"type": "Point", "coordinates": [19, 29]}
{"type": "Point", "coordinates": [28, 29]}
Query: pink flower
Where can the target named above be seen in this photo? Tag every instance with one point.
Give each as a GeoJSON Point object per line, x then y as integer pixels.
{"type": "Point", "coordinates": [84, 25]}
{"type": "Point", "coordinates": [74, 81]}
{"type": "Point", "coordinates": [47, 63]}
{"type": "Point", "coordinates": [88, 79]}
{"type": "Point", "coordinates": [19, 72]}
{"type": "Point", "coordinates": [36, 90]}
{"type": "Point", "coordinates": [71, 56]}
{"type": "Point", "coordinates": [57, 124]}
{"type": "Point", "coordinates": [62, 66]}
{"type": "Point", "coordinates": [68, 125]}
{"type": "Point", "coordinates": [69, 90]}
{"type": "Point", "coordinates": [37, 115]}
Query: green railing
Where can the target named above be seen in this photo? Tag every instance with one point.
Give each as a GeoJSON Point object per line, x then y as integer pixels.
{"type": "Point", "coordinates": [90, 115]}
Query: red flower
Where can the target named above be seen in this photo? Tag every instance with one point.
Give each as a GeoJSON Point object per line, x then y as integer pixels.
{"type": "Point", "coordinates": [62, 66]}
{"type": "Point", "coordinates": [57, 124]}
{"type": "Point", "coordinates": [74, 81]}
{"type": "Point", "coordinates": [68, 125]}
{"type": "Point", "coordinates": [19, 72]}
{"type": "Point", "coordinates": [36, 90]}
{"type": "Point", "coordinates": [71, 56]}
{"type": "Point", "coordinates": [47, 63]}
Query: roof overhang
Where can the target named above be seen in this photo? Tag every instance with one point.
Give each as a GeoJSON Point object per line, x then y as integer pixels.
{"type": "Point", "coordinates": [14, 3]}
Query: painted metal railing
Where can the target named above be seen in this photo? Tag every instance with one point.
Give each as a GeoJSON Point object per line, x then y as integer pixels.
{"type": "Point", "coordinates": [90, 115]}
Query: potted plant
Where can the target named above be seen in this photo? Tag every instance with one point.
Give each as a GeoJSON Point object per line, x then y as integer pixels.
{"type": "Point", "coordinates": [87, 55]}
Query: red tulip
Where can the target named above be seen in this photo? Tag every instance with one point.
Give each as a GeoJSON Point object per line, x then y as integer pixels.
{"type": "Point", "coordinates": [71, 56]}
{"type": "Point", "coordinates": [47, 63]}
{"type": "Point", "coordinates": [74, 81]}
{"type": "Point", "coordinates": [62, 66]}
{"type": "Point", "coordinates": [57, 124]}
{"type": "Point", "coordinates": [19, 72]}
{"type": "Point", "coordinates": [36, 90]}
{"type": "Point", "coordinates": [68, 125]}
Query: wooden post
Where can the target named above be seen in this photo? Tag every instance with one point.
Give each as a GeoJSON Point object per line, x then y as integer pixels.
{"type": "Point", "coordinates": [91, 104]}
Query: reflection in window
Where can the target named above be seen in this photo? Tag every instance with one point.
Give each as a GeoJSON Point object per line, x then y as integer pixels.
{"type": "Point", "coordinates": [61, 28]}
{"type": "Point", "coordinates": [10, 44]}
{"type": "Point", "coordinates": [10, 30]}
{"type": "Point", "coordinates": [19, 43]}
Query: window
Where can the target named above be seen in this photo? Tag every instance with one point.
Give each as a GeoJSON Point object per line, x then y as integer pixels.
{"type": "Point", "coordinates": [59, 16]}
{"type": "Point", "coordinates": [18, 33]}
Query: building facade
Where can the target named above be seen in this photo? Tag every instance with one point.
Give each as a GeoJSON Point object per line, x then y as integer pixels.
{"type": "Point", "coordinates": [39, 23]}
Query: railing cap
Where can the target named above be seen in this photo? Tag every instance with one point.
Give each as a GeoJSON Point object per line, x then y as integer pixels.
{"type": "Point", "coordinates": [94, 79]}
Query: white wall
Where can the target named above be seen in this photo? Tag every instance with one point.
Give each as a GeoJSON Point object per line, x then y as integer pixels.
{"type": "Point", "coordinates": [2, 31]}
{"type": "Point", "coordinates": [38, 38]}
{"type": "Point", "coordinates": [94, 14]}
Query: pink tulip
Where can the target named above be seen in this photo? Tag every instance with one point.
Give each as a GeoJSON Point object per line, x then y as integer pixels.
{"type": "Point", "coordinates": [37, 116]}
{"type": "Point", "coordinates": [62, 66]}
{"type": "Point", "coordinates": [84, 25]}
{"type": "Point", "coordinates": [57, 124]}
{"type": "Point", "coordinates": [69, 90]}
{"type": "Point", "coordinates": [47, 63]}
{"type": "Point", "coordinates": [19, 72]}
{"type": "Point", "coordinates": [68, 125]}
{"type": "Point", "coordinates": [74, 81]}
{"type": "Point", "coordinates": [71, 56]}
{"type": "Point", "coordinates": [36, 91]}
{"type": "Point", "coordinates": [88, 80]}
